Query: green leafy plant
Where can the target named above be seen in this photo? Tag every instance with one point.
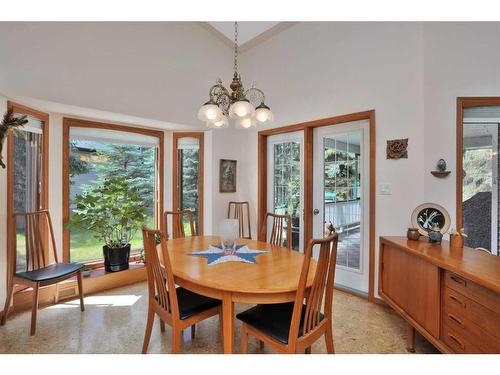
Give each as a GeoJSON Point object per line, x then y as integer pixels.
{"type": "Point", "coordinates": [114, 211]}
{"type": "Point", "coordinates": [9, 122]}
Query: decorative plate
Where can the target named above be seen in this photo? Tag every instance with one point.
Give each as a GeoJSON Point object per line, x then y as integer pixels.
{"type": "Point", "coordinates": [425, 216]}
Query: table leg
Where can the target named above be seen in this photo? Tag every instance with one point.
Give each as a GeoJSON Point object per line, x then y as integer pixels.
{"type": "Point", "coordinates": [228, 324]}
{"type": "Point", "coordinates": [410, 338]}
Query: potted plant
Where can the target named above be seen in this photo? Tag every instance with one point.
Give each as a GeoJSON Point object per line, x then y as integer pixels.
{"type": "Point", "coordinates": [113, 211]}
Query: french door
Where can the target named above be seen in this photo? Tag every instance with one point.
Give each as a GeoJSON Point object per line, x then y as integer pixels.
{"type": "Point", "coordinates": [285, 186]}
{"type": "Point", "coordinates": [341, 197]}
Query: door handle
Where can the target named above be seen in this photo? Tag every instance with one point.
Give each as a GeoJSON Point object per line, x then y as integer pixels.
{"type": "Point", "coordinates": [315, 211]}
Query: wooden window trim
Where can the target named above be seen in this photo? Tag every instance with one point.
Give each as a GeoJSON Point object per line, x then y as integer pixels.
{"type": "Point", "coordinates": [307, 128]}
{"type": "Point", "coordinates": [69, 123]}
{"type": "Point", "coordinates": [462, 103]}
{"type": "Point", "coordinates": [175, 173]}
{"type": "Point", "coordinates": [44, 197]}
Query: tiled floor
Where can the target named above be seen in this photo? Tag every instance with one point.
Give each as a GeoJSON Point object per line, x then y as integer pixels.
{"type": "Point", "coordinates": [114, 322]}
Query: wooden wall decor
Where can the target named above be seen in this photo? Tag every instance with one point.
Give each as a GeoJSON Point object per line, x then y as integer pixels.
{"type": "Point", "coordinates": [397, 148]}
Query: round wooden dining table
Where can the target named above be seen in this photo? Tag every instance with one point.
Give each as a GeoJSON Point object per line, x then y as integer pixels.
{"type": "Point", "coordinates": [273, 279]}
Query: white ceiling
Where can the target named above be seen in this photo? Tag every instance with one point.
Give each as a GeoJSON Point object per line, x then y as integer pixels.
{"type": "Point", "coordinates": [247, 31]}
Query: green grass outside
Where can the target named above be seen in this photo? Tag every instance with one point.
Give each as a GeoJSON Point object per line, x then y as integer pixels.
{"type": "Point", "coordinates": [85, 247]}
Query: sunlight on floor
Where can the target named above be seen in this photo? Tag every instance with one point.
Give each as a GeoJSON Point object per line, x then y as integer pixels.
{"type": "Point", "coordinates": [101, 301]}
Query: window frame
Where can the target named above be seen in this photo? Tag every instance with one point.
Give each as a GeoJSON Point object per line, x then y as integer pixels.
{"type": "Point", "coordinates": [69, 123]}
{"type": "Point", "coordinates": [175, 174]}
{"type": "Point", "coordinates": [44, 195]}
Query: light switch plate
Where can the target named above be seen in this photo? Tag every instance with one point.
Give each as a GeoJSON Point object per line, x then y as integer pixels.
{"type": "Point", "coordinates": [384, 189]}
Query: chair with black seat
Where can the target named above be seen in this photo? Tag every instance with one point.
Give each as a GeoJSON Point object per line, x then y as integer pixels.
{"type": "Point", "coordinates": [178, 307]}
{"type": "Point", "coordinates": [38, 270]}
{"type": "Point", "coordinates": [293, 327]}
{"type": "Point", "coordinates": [178, 223]}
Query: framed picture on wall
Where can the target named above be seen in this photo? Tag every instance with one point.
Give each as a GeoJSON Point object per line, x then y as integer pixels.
{"type": "Point", "coordinates": [227, 176]}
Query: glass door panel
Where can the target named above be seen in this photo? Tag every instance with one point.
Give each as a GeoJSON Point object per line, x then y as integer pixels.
{"type": "Point", "coordinates": [285, 181]}
{"type": "Point", "coordinates": [342, 203]}
{"type": "Point", "coordinates": [341, 197]}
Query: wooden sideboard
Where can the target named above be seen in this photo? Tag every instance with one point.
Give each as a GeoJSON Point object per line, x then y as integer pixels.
{"type": "Point", "coordinates": [450, 295]}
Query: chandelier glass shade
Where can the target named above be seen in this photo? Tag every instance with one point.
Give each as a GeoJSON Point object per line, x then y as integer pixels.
{"type": "Point", "coordinates": [246, 108]}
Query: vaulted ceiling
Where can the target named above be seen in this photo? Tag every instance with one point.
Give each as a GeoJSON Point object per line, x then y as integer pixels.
{"type": "Point", "coordinates": [157, 71]}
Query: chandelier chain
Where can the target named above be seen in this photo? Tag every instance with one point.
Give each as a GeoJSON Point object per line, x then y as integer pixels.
{"type": "Point", "coordinates": [236, 48]}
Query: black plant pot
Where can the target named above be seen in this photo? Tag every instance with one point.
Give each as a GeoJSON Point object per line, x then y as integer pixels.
{"type": "Point", "coordinates": [116, 258]}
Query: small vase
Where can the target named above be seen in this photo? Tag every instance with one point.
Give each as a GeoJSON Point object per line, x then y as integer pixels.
{"type": "Point", "coordinates": [435, 236]}
{"type": "Point", "coordinates": [413, 234]}
{"type": "Point", "coordinates": [456, 240]}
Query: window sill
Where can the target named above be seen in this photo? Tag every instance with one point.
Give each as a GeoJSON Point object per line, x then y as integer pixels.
{"type": "Point", "coordinates": [100, 271]}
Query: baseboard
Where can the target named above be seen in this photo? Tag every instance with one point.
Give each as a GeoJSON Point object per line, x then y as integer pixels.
{"type": "Point", "coordinates": [354, 292]}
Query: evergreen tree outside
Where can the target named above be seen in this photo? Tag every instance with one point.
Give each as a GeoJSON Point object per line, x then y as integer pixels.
{"type": "Point", "coordinates": [189, 182]}
{"type": "Point", "coordinates": [109, 160]}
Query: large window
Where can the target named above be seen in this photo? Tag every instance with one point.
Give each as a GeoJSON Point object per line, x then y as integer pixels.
{"type": "Point", "coordinates": [27, 166]}
{"type": "Point", "coordinates": [480, 207]}
{"type": "Point", "coordinates": [188, 178]}
{"type": "Point", "coordinates": [99, 154]}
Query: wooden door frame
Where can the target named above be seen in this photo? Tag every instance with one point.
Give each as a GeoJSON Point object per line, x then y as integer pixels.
{"type": "Point", "coordinates": [69, 123]}
{"type": "Point", "coordinates": [462, 103]}
{"type": "Point", "coordinates": [175, 174]}
{"type": "Point", "coordinates": [308, 128]}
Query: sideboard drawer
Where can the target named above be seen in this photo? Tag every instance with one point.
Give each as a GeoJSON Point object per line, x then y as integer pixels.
{"type": "Point", "coordinates": [458, 342]}
{"type": "Point", "coordinates": [471, 290]}
{"type": "Point", "coordinates": [465, 308]}
{"type": "Point", "coordinates": [472, 332]}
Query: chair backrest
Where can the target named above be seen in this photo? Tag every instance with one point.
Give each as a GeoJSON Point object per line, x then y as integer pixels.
{"type": "Point", "coordinates": [178, 223]}
{"type": "Point", "coordinates": [160, 277]}
{"type": "Point", "coordinates": [322, 287]}
{"type": "Point", "coordinates": [276, 235]}
{"type": "Point", "coordinates": [236, 210]}
{"type": "Point", "coordinates": [39, 239]}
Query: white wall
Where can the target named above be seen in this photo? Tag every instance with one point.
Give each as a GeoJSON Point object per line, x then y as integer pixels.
{"type": "Point", "coordinates": [316, 70]}
{"type": "Point", "coordinates": [461, 59]}
{"type": "Point", "coordinates": [234, 144]}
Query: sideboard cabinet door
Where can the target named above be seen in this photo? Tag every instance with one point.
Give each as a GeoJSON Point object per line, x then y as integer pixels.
{"type": "Point", "coordinates": [413, 285]}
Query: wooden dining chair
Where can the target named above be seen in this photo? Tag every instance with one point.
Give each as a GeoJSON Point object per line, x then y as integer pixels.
{"type": "Point", "coordinates": [277, 229]}
{"type": "Point", "coordinates": [236, 210]}
{"type": "Point", "coordinates": [178, 307]}
{"type": "Point", "coordinates": [178, 230]}
{"type": "Point", "coordinates": [293, 327]}
{"type": "Point", "coordinates": [38, 271]}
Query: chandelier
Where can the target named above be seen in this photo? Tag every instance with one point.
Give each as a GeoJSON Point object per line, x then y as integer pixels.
{"type": "Point", "coordinates": [246, 108]}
